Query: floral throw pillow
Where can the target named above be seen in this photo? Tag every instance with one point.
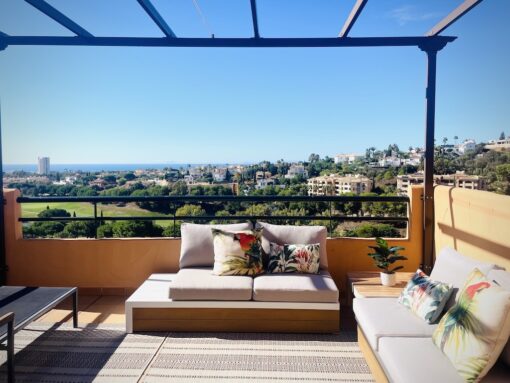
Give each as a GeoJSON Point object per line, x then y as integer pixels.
{"type": "Point", "coordinates": [294, 258]}
{"type": "Point", "coordinates": [237, 253]}
{"type": "Point", "coordinates": [425, 297]}
{"type": "Point", "coordinates": [474, 331]}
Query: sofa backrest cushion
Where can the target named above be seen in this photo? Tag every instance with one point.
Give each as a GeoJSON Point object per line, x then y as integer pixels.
{"type": "Point", "coordinates": [289, 234]}
{"type": "Point", "coordinates": [454, 268]}
{"type": "Point", "coordinates": [197, 248]}
{"type": "Point", "coordinates": [502, 278]}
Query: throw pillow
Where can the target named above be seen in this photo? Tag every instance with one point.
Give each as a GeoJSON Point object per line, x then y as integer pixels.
{"type": "Point", "coordinates": [237, 253]}
{"type": "Point", "coordinates": [474, 331]}
{"type": "Point", "coordinates": [425, 297]}
{"type": "Point", "coordinates": [294, 258]}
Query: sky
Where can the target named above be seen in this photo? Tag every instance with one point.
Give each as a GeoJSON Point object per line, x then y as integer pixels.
{"type": "Point", "coordinates": [235, 105]}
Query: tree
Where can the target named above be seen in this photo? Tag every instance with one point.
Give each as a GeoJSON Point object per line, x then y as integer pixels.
{"type": "Point", "coordinates": [79, 229]}
{"type": "Point", "coordinates": [314, 157]}
{"type": "Point", "coordinates": [455, 138]}
{"type": "Point", "coordinates": [502, 136]}
{"type": "Point", "coordinates": [172, 230]}
{"type": "Point", "coordinates": [49, 213]}
{"type": "Point", "coordinates": [129, 176]}
{"type": "Point", "coordinates": [372, 230]}
{"type": "Point", "coordinates": [126, 229]}
{"type": "Point", "coordinates": [44, 229]}
{"type": "Point", "coordinates": [190, 210]}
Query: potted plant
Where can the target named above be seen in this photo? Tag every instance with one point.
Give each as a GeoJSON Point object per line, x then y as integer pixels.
{"type": "Point", "coordinates": [385, 256]}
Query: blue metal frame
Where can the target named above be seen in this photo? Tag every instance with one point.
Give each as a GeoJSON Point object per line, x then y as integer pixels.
{"type": "Point", "coordinates": [431, 43]}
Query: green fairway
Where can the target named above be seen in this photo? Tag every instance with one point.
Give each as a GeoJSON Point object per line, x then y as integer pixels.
{"type": "Point", "coordinates": [85, 209]}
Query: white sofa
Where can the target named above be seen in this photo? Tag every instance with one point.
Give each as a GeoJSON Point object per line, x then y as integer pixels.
{"type": "Point", "coordinates": [197, 300]}
{"type": "Point", "coordinates": [399, 344]}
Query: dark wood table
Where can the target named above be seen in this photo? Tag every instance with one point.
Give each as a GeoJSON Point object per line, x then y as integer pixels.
{"type": "Point", "coordinates": [20, 305]}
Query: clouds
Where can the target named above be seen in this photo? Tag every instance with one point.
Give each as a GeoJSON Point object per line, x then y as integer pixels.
{"type": "Point", "coordinates": [410, 13]}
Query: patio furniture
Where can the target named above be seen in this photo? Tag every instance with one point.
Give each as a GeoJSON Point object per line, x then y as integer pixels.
{"type": "Point", "coordinates": [196, 300]}
{"type": "Point", "coordinates": [398, 345]}
{"type": "Point", "coordinates": [20, 305]}
{"type": "Point", "coordinates": [367, 284]}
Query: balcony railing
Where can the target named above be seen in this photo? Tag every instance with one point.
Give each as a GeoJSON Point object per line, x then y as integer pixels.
{"type": "Point", "coordinates": [329, 209]}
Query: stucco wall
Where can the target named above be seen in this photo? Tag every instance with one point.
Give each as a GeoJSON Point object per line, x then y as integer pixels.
{"type": "Point", "coordinates": [475, 223]}
{"type": "Point", "coordinates": [126, 263]}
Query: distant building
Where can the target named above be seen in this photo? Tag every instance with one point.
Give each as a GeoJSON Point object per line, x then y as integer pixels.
{"type": "Point", "coordinates": [260, 175]}
{"type": "Point", "coordinates": [459, 179]}
{"type": "Point", "coordinates": [466, 146]}
{"type": "Point", "coordinates": [219, 174]}
{"type": "Point", "coordinates": [264, 182]}
{"type": "Point", "coordinates": [43, 165]}
{"type": "Point", "coordinates": [334, 184]}
{"type": "Point", "coordinates": [296, 170]}
{"type": "Point", "coordinates": [498, 145]}
{"type": "Point", "coordinates": [347, 158]}
{"type": "Point", "coordinates": [390, 161]}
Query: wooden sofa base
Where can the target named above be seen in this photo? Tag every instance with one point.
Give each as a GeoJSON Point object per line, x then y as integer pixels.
{"type": "Point", "coordinates": [236, 320]}
{"type": "Point", "coordinates": [371, 358]}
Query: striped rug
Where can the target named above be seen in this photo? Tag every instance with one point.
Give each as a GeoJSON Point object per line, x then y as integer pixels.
{"type": "Point", "coordinates": [106, 354]}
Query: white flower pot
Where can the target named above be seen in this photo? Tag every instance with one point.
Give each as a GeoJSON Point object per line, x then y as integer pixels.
{"type": "Point", "coordinates": [388, 279]}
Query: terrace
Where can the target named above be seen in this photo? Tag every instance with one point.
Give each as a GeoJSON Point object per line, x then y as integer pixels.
{"type": "Point", "coordinates": [108, 270]}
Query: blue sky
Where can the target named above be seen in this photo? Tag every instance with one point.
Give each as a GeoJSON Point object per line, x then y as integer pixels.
{"type": "Point", "coordinates": [153, 105]}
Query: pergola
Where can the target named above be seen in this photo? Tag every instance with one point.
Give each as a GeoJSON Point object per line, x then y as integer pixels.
{"type": "Point", "coordinates": [431, 43]}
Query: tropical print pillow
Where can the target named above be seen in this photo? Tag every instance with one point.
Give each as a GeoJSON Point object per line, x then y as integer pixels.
{"type": "Point", "coordinates": [474, 331]}
{"type": "Point", "coordinates": [237, 253]}
{"type": "Point", "coordinates": [294, 258]}
{"type": "Point", "coordinates": [425, 297]}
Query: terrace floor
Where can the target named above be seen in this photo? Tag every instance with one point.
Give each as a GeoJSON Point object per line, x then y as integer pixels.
{"type": "Point", "coordinates": [99, 350]}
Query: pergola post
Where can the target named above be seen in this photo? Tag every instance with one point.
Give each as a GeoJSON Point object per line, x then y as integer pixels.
{"type": "Point", "coordinates": [428, 195]}
{"type": "Point", "coordinates": [3, 260]}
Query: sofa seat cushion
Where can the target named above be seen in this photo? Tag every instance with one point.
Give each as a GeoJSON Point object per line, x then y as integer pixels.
{"type": "Point", "coordinates": [312, 288]}
{"type": "Point", "coordinates": [385, 317]}
{"type": "Point", "coordinates": [199, 284]}
{"type": "Point", "coordinates": [416, 360]}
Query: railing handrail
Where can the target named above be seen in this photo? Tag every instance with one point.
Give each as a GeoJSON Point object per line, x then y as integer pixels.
{"type": "Point", "coordinates": [219, 198]}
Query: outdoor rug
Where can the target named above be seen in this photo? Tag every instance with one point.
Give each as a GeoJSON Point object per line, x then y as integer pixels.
{"type": "Point", "coordinates": [56, 353]}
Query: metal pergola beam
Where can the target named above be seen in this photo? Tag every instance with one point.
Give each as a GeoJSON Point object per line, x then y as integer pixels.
{"type": "Point", "coordinates": [456, 14]}
{"type": "Point", "coordinates": [228, 42]}
{"type": "Point", "coordinates": [59, 17]}
{"type": "Point", "coordinates": [157, 18]}
{"type": "Point", "coordinates": [254, 18]}
{"type": "Point", "coordinates": [353, 16]}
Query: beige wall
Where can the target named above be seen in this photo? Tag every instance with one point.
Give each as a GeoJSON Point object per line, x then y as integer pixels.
{"type": "Point", "coordinates": [126, 263]}
{"type": "Point", "coordinates": [475, 223]}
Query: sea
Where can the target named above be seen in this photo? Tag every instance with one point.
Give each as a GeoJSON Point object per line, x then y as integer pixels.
{"type": "Point", "coordinates": [32, 168]}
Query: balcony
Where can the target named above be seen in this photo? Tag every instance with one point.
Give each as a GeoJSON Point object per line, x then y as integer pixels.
{"type": "Point", "coordinates": [108, 270]}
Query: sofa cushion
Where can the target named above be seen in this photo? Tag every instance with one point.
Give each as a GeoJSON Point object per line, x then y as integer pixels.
{"type": "Point", "coordinates": [425, 297]}
{"type": "Point", "coordinates": [288, 234]}
{"type": "Point", "coordinates": [385, 317]}
{"type": "Point", "coordinates": [199, 284]}
{"type": "Point", "coordinates": [197, 247]}
{"type": "Point", "coordinates": [294, 258]}
{"type": "Point", "coordinates": [453, 267]}
{"type": "Point", "coordinates": [415, 360]}
{"type": "Point", "coordinates": [474, 331]}
{"type": "Point", "coordinates": [237, 252]}
{"type": "Point", "coordinates": [312, 288]}
{"type": "Point", "coordinates": [502, 278]}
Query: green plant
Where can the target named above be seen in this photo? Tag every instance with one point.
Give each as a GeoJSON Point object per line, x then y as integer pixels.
{"type": "Point", "coordinates": [384, 256]}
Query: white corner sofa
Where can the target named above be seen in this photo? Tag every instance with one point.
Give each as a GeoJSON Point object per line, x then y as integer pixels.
{"type": "Point", "coordinates": [194, 299]}
{"type": "Point", "coordinates": [398, 345]}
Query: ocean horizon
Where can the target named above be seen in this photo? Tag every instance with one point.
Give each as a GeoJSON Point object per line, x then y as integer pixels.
{"type": "Point", "coordinates": [32, 168]}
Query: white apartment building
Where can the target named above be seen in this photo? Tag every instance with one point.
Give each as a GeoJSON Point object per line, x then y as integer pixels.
{"type": "Point", "coordinates": [219, 174]}
{"type": "Point", "coordinates": [264, 182]}
{"type": "Point", "coordinates": [296, 170]}
{"type": "Point", "coordinates": [349, 158]}
{"type": "Point", "coordinates": [498, 145]}
{"type": "Point", "coordinates": [390, 161]}
{"type": "Point", "coordinates": [43, 165]}
{"type": "Point", "coordinates": [459, 179]}
{"type": "Point", "coordinates": [466, 146]}
{"type": "Point", "coordinates": [334, 184]}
